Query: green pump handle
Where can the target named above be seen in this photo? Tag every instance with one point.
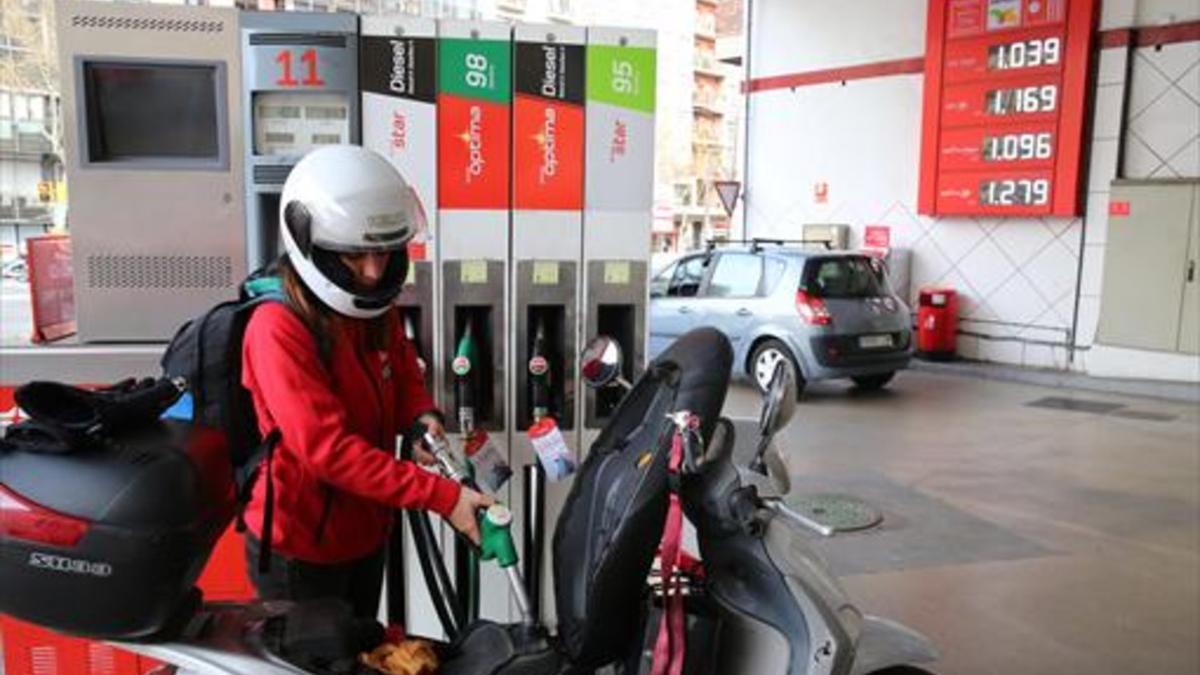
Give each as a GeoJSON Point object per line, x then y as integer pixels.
{"type": "Point", "coordinates": [495, 539]}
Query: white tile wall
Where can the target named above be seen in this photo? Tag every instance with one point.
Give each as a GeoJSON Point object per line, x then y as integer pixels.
{"type": "Point", "coordinates": [1103, 163]}
{"type": "Point", "coordinates": [1163, 139]}
{"type": "Point", "coordinates": [1093, 269]}
{"type": "Point", "coordinates": [1112, 66]}
{"type": "Point", "coordinates": [1097, 217]}
{"type": "Point", "coordinates": [1109, 101]}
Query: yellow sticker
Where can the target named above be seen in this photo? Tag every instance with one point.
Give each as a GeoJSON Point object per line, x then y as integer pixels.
{"type": "Point", "coordinates": [616, 272]}
{"type": "Point", "coordinates": [644, 459]}
{"type": "Point", "coordinates": [473, 272]}
{"type": "Point", "coordinates": [545, 273]}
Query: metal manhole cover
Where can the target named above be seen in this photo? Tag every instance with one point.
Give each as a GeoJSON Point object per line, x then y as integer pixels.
{"type": "Point", "coordinates": [843, 513]}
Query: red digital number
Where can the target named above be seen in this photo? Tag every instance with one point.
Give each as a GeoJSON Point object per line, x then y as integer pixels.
{"type": "Point", "coordinates": [286, 79]}
{"type": "Point", "coordinates": [312, 80]}
{"type": "Point", "coordinates": [284, 59]}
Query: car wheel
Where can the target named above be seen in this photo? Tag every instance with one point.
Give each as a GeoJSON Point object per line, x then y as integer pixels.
{"type": "Point", "coordinates": [873, 382]}
{"type": "Point", "coordinates": [763, 360]}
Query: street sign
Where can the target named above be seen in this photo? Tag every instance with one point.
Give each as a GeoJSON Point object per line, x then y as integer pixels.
{"type": "Point", "coordinates": [728, 191]}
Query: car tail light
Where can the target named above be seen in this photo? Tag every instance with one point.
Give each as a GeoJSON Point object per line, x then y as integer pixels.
{"type": "Point", "coordinates": [812, 309]}
{"type": "Point", "coordinates": [23, 519]}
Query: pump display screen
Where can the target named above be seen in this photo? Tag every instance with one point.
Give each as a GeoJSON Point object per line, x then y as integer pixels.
{"type": "Point", "coordinates": [142, 111]}
{"type": "Point", "coordinates": [289, 124]}
{"type": "Point", "coordinates": [1005, 100]}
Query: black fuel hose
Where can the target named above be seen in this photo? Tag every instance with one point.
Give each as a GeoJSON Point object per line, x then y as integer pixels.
{"type": "Point", "coordinates": [433, 565]}
{"type": "Point", "coordinates": [437, 579]}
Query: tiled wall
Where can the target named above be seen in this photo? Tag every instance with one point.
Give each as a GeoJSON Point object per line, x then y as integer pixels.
{"type": "Point", "coordinates": [1161, 140]}
{"type": "Point", "coordinates": [1020, 278]}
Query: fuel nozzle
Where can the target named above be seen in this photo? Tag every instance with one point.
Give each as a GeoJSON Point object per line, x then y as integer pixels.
{"type": "Point", "coordinates": [410, 332]}
{"type": "Point", "coordinates": [450, 467]}
{"type": "Point", "coordinates": [496, 543]}
{"type": "Point", "coordinates": [539, 374]}
{"type": "Point", "coordinates": [465, 360]}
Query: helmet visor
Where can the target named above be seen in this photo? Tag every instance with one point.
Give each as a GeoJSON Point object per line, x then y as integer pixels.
{"type": "Point", "coordinates": [387, 231]}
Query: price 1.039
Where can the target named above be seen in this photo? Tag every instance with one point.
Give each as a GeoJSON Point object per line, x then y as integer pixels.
{"type": "Point", "coordinates": [1025, 54]}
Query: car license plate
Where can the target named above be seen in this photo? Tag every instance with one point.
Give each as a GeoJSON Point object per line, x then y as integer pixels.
{"type": "Point", "coordinates": [874, 341]}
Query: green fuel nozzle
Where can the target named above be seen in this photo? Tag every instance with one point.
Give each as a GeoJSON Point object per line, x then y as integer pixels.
{"type": "Point", "coordinates": [464, 380]}
{"type": "Point", "coordinates": [496, 543]}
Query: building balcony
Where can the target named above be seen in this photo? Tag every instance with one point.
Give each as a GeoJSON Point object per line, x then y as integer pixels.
{"type": "Point", "coordinates": [707, 106]}
{"type": "Point", "coordinates": [707, 65]}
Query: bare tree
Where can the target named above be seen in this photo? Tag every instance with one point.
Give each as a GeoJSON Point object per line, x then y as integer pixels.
{"type": "Point", "coordinates": [30, 63]}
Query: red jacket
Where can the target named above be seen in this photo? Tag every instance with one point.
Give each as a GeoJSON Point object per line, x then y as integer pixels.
{"type": "Point", "coordinates": [335, 476]}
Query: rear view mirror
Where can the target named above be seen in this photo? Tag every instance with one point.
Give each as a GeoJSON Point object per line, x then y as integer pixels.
{"type": "Point", "coordinates": [779, 402]}
{"type": "Point", "coordinates": [601, 362]}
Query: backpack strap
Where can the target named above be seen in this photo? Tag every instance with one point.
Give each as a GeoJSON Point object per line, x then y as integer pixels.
{"type": "Point", "coordinates": [268, 522]}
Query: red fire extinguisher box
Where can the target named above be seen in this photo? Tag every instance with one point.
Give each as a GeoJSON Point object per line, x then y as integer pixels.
{"type": "Point", "coordinates": [937, 322]}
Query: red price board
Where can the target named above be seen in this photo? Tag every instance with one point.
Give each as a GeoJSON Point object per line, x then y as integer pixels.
{"type": "Point", "coordinates": [1005, 97]}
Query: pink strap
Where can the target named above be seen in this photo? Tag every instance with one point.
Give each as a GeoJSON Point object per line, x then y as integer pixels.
{"type": "Point", "coordinates": [669, 646]}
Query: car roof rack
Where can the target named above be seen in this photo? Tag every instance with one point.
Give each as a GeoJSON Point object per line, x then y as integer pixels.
{"type": "Point", "coordinates": [757, 243]}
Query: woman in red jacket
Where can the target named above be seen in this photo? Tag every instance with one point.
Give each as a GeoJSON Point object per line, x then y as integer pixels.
{"type": "Point", "coordinates": [334, 373]}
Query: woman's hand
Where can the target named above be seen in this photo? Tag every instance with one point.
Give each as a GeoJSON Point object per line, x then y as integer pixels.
{"type": "Point", "coordinates": [433, 426]}
{"type": "Point", "coordinates": [464, 518]}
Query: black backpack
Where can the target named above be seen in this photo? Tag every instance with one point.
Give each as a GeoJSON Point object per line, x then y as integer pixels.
{"type": "Point", "coordinates": [207, 353]}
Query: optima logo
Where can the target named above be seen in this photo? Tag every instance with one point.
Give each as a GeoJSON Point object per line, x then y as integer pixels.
{"type": "Point", "coordinates": [549, 146]}
{"type": "Point", "coordinates": [60, 563]}
{"type": "Point", "coordinates": [474, 137]}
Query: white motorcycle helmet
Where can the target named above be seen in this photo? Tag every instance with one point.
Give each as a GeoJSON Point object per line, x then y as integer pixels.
{"type": "Point", "coordinates": [346, 199]}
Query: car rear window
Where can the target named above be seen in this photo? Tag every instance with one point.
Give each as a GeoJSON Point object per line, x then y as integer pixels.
{"type": "Point", "coordinates": [845, 277]}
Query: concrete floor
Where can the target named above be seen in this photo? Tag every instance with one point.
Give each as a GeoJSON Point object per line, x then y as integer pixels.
{"type": "Point", "coordinates": [1020, 539]}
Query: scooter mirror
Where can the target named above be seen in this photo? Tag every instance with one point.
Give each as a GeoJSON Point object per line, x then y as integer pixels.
{"type": "Point", "coordinates": [779, 402]}
{"type": "Point", "coordinates": [601, 362]}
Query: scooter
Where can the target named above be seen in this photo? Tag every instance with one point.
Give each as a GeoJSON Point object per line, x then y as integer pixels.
{"type": "Point", "coordinates": [779, 607]}
{"type": "Point", "coordinates": [766, 603]}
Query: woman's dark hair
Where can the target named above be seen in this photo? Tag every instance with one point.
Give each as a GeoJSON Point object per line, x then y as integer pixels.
{"type": "Point", "coordinates": [323, 321]}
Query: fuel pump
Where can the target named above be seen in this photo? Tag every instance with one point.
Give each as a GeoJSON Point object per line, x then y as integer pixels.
{"type": "Point", "coordinates": [474, 97]}
{"type": "Point", "coordinates": [618, 202]}
{"type": "Point", "coordinates": [548, 135]}
{"type": "Point", "coordinates": [300, 91]}
{"type": "Point", "coordinates": [397, 75]}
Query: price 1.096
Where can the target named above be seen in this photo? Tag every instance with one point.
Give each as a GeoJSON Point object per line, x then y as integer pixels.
{"type": "Point", "coordinates": [1017, 147]}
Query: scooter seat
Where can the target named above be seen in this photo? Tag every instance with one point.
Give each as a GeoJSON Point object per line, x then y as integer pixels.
{"type": "Point", "coordinates": [613, 518]}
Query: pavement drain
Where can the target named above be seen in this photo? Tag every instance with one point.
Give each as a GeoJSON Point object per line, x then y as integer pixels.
{"type": "Point", "coordinates": [843, 513]}
{"type": "Point", "coordinates": [1075, 405]}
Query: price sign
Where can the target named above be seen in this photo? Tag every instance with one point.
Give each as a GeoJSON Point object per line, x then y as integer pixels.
{"type": "Point", "coordinates": [1005, 90]}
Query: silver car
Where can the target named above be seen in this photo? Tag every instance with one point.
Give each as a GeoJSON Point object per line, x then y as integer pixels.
{"type": "Point", "coordinates": [831, 314]}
